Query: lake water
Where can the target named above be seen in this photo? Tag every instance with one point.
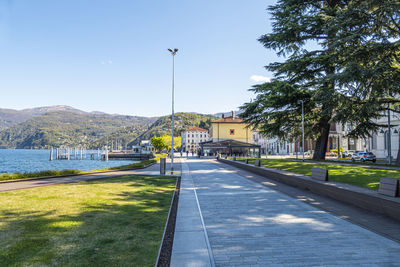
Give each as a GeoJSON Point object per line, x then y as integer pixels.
{"type": "Point", "coordinates": [27, 160]}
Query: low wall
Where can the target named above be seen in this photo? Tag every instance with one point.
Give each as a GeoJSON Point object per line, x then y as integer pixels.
{"type": "Point", "coordinates": [362, 197]}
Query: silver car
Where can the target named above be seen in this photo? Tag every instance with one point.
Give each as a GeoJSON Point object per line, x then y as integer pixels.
{"type": "Point", "coordinates": [364, 156]}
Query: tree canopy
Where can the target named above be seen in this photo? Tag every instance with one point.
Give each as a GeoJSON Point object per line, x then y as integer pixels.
{"type": "Point", "coordinates": [341, 59]}
{"type": "Point", "coordinates": [164, 142]}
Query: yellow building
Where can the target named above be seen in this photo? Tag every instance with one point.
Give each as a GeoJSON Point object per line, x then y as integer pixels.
{"type": "Point", "coordinates": [230, 128]}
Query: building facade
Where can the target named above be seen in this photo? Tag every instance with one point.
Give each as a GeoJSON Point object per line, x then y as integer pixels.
{"type": "Point", "coordinates": [230, 128]}
{"type": "Point", "coordinates": [191, 138]}
{"type": "Point", "coordinates": [230, 136]}
{"type": "Point", "coordinates": [377, 143]}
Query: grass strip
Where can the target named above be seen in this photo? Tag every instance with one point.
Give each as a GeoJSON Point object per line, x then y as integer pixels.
{"type": "Point", "coordinates": [359, 176]}
{"type": "Point", "coordinates": [108, 222]}
{"type": "Point", "coordinates": [136, 165]}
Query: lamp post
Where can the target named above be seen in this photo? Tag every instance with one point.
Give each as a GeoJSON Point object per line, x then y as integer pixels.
{"type": "Point", "coordinates": [389, 140]}
{"type": "Point", "coordinates": [173, 53]}
{"type": "Point", "coordinates": [302, 127]}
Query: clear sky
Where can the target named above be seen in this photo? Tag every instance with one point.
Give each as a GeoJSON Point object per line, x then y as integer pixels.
{"type": "Point", "coordinates": [111, 55]}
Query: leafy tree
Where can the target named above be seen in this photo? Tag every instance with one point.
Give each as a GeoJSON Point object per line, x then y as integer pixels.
{"type": "Point", "coordinates": [307, 75]}
{"type": "Point", "coordinates": [158, 143]}
{"type": "Point", "coordinates": [164, 142]}
{"type": "Point", "coordinates": [167, 141]}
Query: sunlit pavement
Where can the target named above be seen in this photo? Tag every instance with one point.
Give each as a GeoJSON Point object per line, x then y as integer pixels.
{"type": "Point", "coordinates": [248, 224]}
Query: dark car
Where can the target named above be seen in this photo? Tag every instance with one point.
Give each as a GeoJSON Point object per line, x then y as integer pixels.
{"type": "Point", "coordinates": [364, 156]}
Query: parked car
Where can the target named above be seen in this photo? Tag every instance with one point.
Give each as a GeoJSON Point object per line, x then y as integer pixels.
{"type": "Point", "coordinates": [364, 156]}
{"type": "Point", "coordinates": [349, 153]}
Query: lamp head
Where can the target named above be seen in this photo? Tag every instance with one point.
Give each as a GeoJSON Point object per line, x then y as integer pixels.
{"type": "Point", "coordinates": [173, 51]}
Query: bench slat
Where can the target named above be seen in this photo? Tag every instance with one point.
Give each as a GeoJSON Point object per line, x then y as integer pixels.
{"type": "Point", "coordinates": [320, 174]}
{"type": "Point", "coordinates": [389, 187]}
{"type": "Point", "coordinates": [387, 180]}
{"type": "Point", "coordinates": [386, 192]}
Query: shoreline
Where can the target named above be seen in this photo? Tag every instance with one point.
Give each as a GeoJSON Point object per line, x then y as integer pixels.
{"type": "Point", "coordinates": [74, 172]}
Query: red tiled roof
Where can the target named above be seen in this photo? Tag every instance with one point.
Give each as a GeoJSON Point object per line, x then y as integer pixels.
{"type": "Point", "coordinates": [195, 129]}
{"type": "Point", "coordinates": [229, 119]}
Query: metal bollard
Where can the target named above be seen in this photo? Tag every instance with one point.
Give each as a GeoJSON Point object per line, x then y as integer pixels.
{"type": "Point", "coordinates": [163, 165]}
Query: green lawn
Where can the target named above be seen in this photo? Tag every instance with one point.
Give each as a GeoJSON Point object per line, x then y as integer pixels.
{"type": "Point", "coordinates": [106, 222]}
{"type": "Point", "coordinates": [359, 176]}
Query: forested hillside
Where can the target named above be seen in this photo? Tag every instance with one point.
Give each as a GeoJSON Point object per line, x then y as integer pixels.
{"type": "Point", "coordinates": [182, 121]}
{"type": "Point", "coordinates": [70, 129]}
{"type": "Point", "coordinates": [57, 126]}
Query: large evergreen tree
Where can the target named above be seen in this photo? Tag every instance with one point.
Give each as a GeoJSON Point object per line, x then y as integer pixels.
{"type": "Point", "coordinates": [306, 74]}
{"type": "Point", "coordinates": [368, 41]}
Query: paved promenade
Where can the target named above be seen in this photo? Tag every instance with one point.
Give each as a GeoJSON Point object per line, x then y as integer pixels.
{"type": "Point", "coordinates": [248, 224]}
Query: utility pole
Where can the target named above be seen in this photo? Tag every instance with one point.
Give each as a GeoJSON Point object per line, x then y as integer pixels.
{"type": "Point", "coordinates": [302, 127]}
{"type": "Point", "coordinates": [173, 53]}
{"type": "Point", "coordinates": [389, 140]}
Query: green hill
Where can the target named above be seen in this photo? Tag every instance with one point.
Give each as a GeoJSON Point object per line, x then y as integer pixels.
{"type": "Point", "coordinates": [182, 120]}
{"type": "Point", "coordinates": [71, 129]}
{"type": "Point", "coordinates": [65, 126]}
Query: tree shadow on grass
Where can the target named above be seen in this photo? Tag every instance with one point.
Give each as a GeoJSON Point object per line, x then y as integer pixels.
{"type": "Point", "coordinates": [123, 230]}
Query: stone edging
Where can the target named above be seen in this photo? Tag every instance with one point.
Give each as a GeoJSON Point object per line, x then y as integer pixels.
{"type": "Point", "coordinates": [68, 175]}
{"type": "Point", "coordinates": [165, 249]}
{"type": "Point", "coordinates": [362, 197]}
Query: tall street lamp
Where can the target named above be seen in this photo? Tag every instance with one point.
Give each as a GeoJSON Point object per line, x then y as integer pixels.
{"type": "Point", "coordinates": [173, 52]}
{"type": "Point", "coordinates": [389, 139]}
{"type": "Point", "coordinates": [302, 127]}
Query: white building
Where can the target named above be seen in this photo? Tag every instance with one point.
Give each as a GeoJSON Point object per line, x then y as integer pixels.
{"type": "Point", "coordinates": [379, 142]}
{"type": "Point", "coordinates": [191, 138]}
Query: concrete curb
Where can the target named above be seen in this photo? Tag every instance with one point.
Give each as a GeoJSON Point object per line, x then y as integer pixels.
{"type": "Point", "coordinates": [69, 175]}
{"type": "Point", "coordinates": [174, 201]}
{"type": "Point", "coordinates": [364, 198]}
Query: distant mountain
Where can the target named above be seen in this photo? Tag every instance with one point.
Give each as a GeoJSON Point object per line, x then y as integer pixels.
{"type": "Point", "coordinates": [10, 117]}
{"type": "Point", "coordinates": [57, 126]}
{"type": "Point", "coordinates": [43, 110]}
{"type": "Point", "coordinates": [67, 128]}
{"type": "Point", "coordinates": [182, 120]}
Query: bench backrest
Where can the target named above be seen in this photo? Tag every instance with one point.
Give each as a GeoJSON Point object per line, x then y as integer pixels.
{"type": "Point", "coordinates": [320, 174]}
{"type": "Point", "coordinates": [257, 163]}
{"type": "Point", "coordinates": [389, 187]}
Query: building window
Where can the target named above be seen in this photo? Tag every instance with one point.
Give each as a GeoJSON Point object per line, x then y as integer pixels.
{"type": "Point", "coordinates": [374, 141]}
{"type": "Point", "coordinates": [232, 131]}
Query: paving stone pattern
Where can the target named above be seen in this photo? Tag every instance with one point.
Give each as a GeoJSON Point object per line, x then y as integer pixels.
{"type": "Point", "coordinates": [252, 225]}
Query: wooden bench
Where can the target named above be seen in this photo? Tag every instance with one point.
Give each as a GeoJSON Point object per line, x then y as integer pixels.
{"type": "Point", "coordinates": [389, 187]}
{"type": "Point", "coordinates": [320, 174]}
{"type": "Point", "coordinates": [246, 161]}
{"type": "Point", "coordinates": [257, 163]}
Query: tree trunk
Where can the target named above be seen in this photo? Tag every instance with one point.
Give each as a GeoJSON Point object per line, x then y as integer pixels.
{"type": "Point", "coordinates": [322, 141]}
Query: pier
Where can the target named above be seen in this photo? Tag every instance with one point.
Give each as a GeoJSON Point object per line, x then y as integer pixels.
{"type": "Point", "coordinates": [67, 153]}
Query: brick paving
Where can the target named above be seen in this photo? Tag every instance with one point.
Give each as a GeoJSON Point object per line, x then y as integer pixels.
{"type": "Point", "coordinates": [249, 224]}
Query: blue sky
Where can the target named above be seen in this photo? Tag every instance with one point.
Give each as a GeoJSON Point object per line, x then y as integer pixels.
{"type": "Point", "coordinates": [112, 56]}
